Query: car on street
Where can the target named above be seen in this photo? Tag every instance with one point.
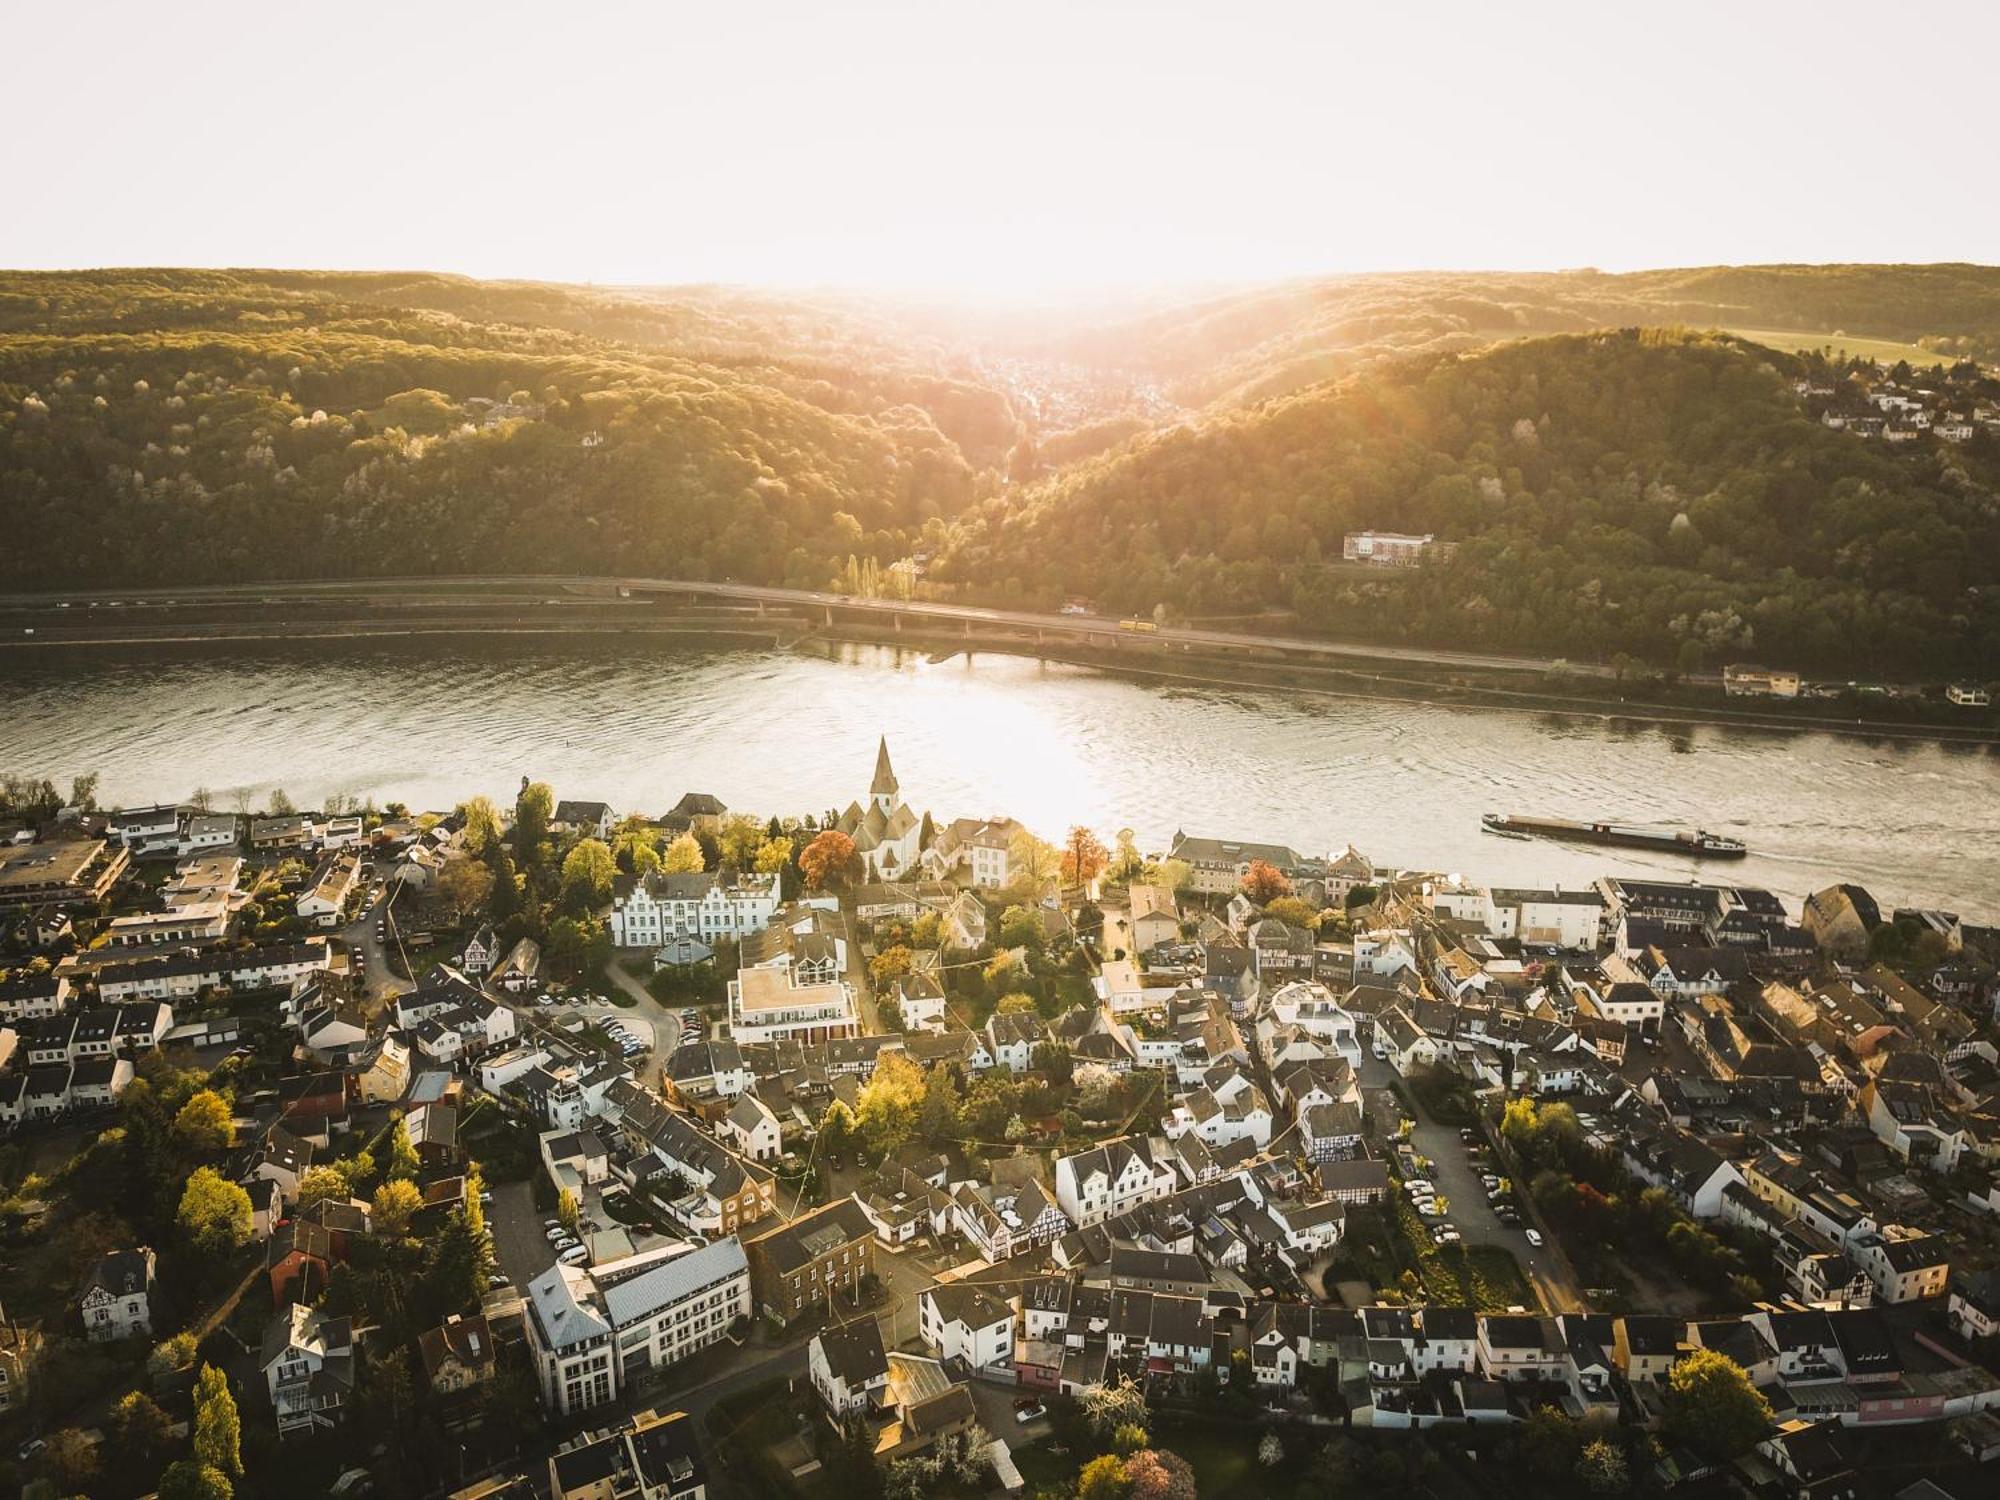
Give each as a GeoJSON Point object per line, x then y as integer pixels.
{"type": "Point", "coordinates": [1535, 1238]}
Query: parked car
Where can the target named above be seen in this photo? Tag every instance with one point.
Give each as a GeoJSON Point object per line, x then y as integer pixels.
{"type": "Point", "coordinates": [575, 1255]}
{"type": "Point", "coordinates": [1028, 1414]}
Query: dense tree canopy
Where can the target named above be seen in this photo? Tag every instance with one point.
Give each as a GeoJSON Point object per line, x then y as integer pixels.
{"type": "Point", "coordinates": [1661, 495]}
{"type": "Point", "coordinates": [1665, 495]}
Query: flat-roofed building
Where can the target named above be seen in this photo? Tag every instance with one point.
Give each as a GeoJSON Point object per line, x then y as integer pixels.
{"type": "Point", "coordinates": [766, 1006]}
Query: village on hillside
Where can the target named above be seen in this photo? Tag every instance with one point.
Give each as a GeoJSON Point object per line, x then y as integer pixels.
{"type": "Point", "coordinates": [559, 1149]}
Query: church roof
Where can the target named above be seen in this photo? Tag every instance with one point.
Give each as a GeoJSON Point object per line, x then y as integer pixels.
{"type": "Point", "coordinates": [884, 784]}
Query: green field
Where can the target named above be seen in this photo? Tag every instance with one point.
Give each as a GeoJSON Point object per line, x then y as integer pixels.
{"type": "Point", "coordinates": [1887, 351]}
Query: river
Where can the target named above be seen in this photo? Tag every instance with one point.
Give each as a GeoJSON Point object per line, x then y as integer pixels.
{"type": "Point", "coordinates": [636, 722]}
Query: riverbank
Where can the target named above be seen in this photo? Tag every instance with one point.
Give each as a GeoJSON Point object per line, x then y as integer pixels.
{"type": "Point", "coordinates": [638, 720]}
{"type": "Point", "coordinates": [1192, 668]}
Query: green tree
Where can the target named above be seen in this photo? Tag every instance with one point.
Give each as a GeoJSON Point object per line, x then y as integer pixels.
{"type": "Point", "coordinates": [464, 885]}
{"type": "Point", "coordinates": [1103, 1478]}
{"type": "Point", "coordinates": [1021, 928]}
{"type": "Point", "coordinates": [403, 1159]}
{"type": "Point", "coordinates": [587, 872]}
{"type": "Point", "coordinates": [1712, 1406]}
{"type": "Point", "coordinates": [532, 811]}
{"type": "Point", "coordinates": [215, 1213]}
{"type": "Point", "coordinates": [203, 1124]}
{"type": "Point", "coordinates": [1601, 1468]}
{"type": "Point", "coordinates": [836, 1128]}
{"type": "Point", "coordinates": [938, 1119]}
{"type": "Point", "coordinates": [891, 964]}
{"type": "Point", "coordinates": [1550, 1442]}
{"type": "Point", "coordinates": [395, 1204]}
{"type": "Point", "coordinates": [190, 1479]}
{"type": "Point", "coordinates": [890, 1101]}
{"type": "Point", "coordinates": [321, 1183]}
{"type": "Point", "coordinates": [482, 823]}
{"type": "Point", "coordinates": [1032, 861]}
{"type": "Point", "coordinates": [740, 838]}
{"type": "Point", "coordinates": [218, 1432]}
{"type": "Point", "coordinates": [1292, 910]}
{"type": "Point", "coordinates": [71, 1458]}
{"type": "Point", "coordinates": [683, 856]}
{"type": "Point", "coordinates": [141, 1428]}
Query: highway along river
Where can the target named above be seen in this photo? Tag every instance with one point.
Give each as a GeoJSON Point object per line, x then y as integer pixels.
{"type": "Point", "coordinates": [637, 722]}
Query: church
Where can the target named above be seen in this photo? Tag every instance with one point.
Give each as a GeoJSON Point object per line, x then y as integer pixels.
{"type": "Point", "coordinates": [887, 834]}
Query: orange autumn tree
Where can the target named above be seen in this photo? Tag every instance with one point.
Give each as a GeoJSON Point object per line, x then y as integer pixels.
{"type": "Point", "coordinates": [1084, 857]}
{"type": "Point", "coordinates": [830, 862]}
{"type": "Point", "coordinates": [1264, 882]}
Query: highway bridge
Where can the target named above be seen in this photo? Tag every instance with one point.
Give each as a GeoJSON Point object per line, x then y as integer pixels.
{"type": "Point", "coordinates": [822, 608]}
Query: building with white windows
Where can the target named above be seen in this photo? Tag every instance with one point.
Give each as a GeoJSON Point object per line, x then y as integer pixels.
{"type": "Point", "coordinates": [665, 909]}
{"type": "Point", "coordinates": [962, 1321]}
{"type": "Point", "coordinates": [1386, 549]}
{"type": "Point", "coordinates": [594, 1334]}
{"type": "Point", "coordinates": [117, 1299]}
{"type": "Point", "coordinates": [766, 1006]}
{"type": "Point", "coordinates": [974, 851]}
{"type": "Point", "coordinates": [1109, 1179]}
{"type": "Point", "coordinates": [308, 1363]}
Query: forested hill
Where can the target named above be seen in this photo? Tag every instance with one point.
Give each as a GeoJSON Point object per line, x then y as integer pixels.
{"type": "Point", "coordinates": [1263, 341]}
{"type": "Point", "coordinates": [183, 425]}
{"type": "Point", "coordinates": [1670, 496]}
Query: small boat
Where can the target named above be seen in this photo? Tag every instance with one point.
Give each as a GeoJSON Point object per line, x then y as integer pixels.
{"type": "Point", "coordinates": [1697, 843]}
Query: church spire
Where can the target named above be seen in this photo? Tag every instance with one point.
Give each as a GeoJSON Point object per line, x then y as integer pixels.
{"type": "Point", "coordinates": [884, 784]}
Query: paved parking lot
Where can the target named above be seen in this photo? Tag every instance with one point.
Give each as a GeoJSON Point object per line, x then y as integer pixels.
{"type": "Point", "coordinates": [518, 1238]}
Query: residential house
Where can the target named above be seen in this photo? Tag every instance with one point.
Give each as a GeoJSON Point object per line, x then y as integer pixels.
{"type": "Point", "coordinates": [960, 1320]}
{"type": "Point", "coordinates": [804, 1264]}
{"type": "Point", "coordinates": [1110, 1179]}
{"type": "Point", "coordinates": [117, 1297]}
{"type": "Point", "coordinates": [849, 1368]}
{"type": "Point", "coordinates": [308, 1363]}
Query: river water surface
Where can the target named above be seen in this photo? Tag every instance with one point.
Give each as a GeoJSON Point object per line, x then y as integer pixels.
{"type": "Point", "coordinates": [638, 722]}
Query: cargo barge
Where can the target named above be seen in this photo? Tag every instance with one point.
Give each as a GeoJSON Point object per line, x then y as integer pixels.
{"type": "Point", "coordinates": [1697, 843]}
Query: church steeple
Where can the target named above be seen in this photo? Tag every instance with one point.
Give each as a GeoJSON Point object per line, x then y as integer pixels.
{"type": "Point", "coordinates": [882, 790]}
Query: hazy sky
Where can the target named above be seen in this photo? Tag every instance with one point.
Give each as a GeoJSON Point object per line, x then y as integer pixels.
{"type": "Point", "coordinates": [1012, 146]}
